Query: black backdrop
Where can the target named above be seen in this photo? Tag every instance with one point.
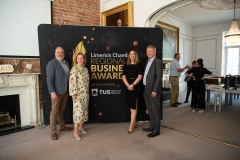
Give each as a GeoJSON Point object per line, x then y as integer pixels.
{"type": "Point", "coordinates": [107, 95]}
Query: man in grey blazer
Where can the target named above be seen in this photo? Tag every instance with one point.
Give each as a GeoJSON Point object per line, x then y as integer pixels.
{"type": "Point", "coordinates": [152, 81]}
{"type": "Point", "coordinates": [57, 72]}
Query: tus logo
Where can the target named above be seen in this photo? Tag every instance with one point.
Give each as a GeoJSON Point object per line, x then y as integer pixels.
{"type": "Point", "coordinates": [94, 92]}
{"type": "Point", "coordinates": [104, 91]}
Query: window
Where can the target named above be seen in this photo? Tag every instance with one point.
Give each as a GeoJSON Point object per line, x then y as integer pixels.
{"type": "Point", "coordinates": [230, 58]}
{"type": "Point", "coordinates": [233, 61]}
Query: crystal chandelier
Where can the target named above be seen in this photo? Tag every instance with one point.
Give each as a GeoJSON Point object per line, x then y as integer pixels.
{"type": "Point", "coordinates": [233, 35]}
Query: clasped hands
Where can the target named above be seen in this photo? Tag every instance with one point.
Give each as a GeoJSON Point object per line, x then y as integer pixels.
{"type": "Point", "coordinates": [130, 87]}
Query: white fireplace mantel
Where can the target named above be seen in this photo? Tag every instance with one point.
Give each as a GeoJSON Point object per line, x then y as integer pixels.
{"type": "Point", "coordinates": [27, 86]}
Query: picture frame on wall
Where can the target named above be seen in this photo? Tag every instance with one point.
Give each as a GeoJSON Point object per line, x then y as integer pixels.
{"type": "Point", "coordinates": [118, 16]}
{"type": "Point", "coordinates": [170, 39]}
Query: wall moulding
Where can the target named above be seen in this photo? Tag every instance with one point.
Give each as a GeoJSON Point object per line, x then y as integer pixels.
{"type": "Point", "coordinates": [207, 50]}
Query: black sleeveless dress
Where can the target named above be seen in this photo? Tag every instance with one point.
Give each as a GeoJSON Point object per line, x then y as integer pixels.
{"type": "Point", "coordinates": [131, 72]}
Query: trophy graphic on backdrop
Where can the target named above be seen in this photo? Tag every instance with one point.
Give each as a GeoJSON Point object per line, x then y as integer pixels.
{"type": "Point", "coordinates": [79, 49]}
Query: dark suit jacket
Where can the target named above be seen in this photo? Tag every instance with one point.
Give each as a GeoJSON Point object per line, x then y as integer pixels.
{"type": "Point", "coordinates": [57, 80]}
{"type": "Point", "coordinates": [154, 77]}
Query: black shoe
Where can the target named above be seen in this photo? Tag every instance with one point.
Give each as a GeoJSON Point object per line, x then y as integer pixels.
{"type": "Point", "coordinates": [147, 129]}
{"type": "Point", "coordinates": [153, 134]}
{"type": "Point", "coordinates": [177, 103]}
{"type": "Point", "coordinates": [174, 105]}
{"type": "Point", "coordinates": [185, 102]}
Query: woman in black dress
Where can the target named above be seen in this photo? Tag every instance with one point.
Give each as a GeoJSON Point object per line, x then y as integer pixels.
{"type": "Point", "coordinates": [189, 80]}
{"type": "Point", "coordinates": [132, 75]}
{"type": "Point", "coordinates": [198, 86]}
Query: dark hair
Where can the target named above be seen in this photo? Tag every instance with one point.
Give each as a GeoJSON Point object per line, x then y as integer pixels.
{"type": "Point", "coordinates": [200, 63]}
{"type": "Point", "coordinates": [176, 54]}
{"type": "Point", "coordinates": [200, 60]}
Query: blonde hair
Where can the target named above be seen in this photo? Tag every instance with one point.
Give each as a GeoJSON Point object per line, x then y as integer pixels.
{"type": "Point", "coordinates": [136, 57]}
{"type": "Point", "coordinates": [84, 56]}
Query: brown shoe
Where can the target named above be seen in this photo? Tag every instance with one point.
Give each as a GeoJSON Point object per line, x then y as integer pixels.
{"type": "Point", "coordinates": [174, 105]}
{"type": "Point", "coordinates": [66, 129]}
{"type": "Point", "coordinates": [54, 136]}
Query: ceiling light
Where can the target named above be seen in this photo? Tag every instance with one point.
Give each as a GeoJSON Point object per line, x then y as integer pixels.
{"type": "Point", "coordinates": [233, 35]}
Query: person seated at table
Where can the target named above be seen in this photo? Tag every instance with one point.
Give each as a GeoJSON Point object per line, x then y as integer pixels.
{"type": "Point", "coordinates": [198, 86]}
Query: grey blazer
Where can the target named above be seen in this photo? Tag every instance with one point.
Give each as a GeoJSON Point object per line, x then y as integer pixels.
{"type": "Point", "coordinates": [154, 77]}
{"type": "Point", "coordinates": [57, 80]}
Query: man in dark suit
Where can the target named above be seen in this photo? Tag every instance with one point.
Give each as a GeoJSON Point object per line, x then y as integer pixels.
{"type": "Point", "coordinates": [152, 81]}
{"type": "Point", "coordinates": [57, 71]}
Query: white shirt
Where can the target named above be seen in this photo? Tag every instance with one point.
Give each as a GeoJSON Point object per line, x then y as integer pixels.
{"type": "Point", "coordinates": [146, 70]}
{"type": "Point", "coordinates": [174, 66]}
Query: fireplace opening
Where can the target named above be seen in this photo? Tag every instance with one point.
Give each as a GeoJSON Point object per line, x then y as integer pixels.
{"type": "Point", "coordinates": [10, 116]}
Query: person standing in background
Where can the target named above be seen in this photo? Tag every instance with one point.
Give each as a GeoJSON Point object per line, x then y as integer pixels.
{"type": "Point", "coordinates": [189, 81]}
{"type": "Point", "coordinates": [132, 75]}
{"type": "Point", "coordinates": [152, 80]}
{"type": "Point", "coordinates": [57, 72]}
{"type": "Point", "coordinates": [198, 86]}
{"type": "Point", "coordinates": [79, 90]}
{"type": "Point", "coordinates": [175, 73]}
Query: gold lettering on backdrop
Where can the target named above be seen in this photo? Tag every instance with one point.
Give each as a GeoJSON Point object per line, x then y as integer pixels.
{"type": "Point", "coordinates": [113, 75]}
{"type": "Point", "coordinates": [96, 84]}
{"type": "Point", "coordinates": [103, 65]}
{"type": "Point", "coordinates": [103, 84]}
{"type": "Point", "coordinates": [108, 61]}
{"type": "Point", "coordinates": [107, 68]}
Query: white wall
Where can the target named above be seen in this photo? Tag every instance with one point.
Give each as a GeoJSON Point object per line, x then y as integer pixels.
{"type": "Point", "coordinates": [19, 22]}
{"type": "Point", "coordinates": [208, 45]}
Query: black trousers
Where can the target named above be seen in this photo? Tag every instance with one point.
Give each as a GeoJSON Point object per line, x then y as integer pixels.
{"type": "Point", "coordinates": [189, 89]}
{"type": "Point", "coordinates": [198, 96]}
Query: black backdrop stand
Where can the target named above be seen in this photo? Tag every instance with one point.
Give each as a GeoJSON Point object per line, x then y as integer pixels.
{"type": "Point", "coordinates": [99, 40]}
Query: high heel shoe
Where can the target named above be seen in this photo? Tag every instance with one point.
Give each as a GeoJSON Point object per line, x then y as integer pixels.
{"type": "Point", "coordinates": [130, 132]}
{"type": "Point", "coordinates": [84, 132]}
{"type": "Point", "coordinates": [78, 139]}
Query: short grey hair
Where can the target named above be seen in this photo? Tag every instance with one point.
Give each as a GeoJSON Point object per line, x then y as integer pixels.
{"type": "Point", "coordinates": [151, 46]}
{"type": "Point", "coordinates": [59, 48]}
